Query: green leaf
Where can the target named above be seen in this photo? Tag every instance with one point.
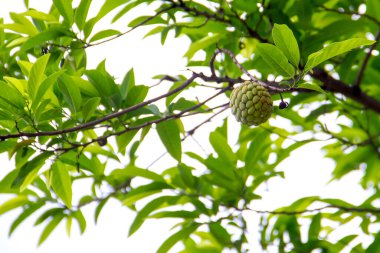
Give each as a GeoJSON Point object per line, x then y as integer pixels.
{"type": "Point", "coordinates": [81, 13]}
{"type": "Point", "coordinates": [50, 34]}
{"type": "Point", "coordinates": [71, 93]}
{"type": "Point", "coordinates": [133, 171]}
{"type": "Point", "coordinates": [127, 84]}
{"type": "Point", "coordinates": [333, 50]}
{"type": "Point", "coordinates": [144, 20]}
{"type": "Point", "coordinates": [78, 215]}
{"type": "Point", "coordinates": [19, 84]}
{"type": "Point", "coordinates": [374, 247]}
{"type": "Point", "coordinates": [244, 5]}
{"type": "Point", "coordinates": [40, 15]}
{"type": "Point", "coordinates": [6, 181]}
{"type": "Point", "coordinates": [186, 175]}
{"type": "Point", "coordinates": [50, 227]}
{"type": "Point", "coordinates": [85, 86]}
{"type": "Point", "coordinates": [311, 86]}
{"type": "Point", "coordinates": [276, 59]}
{"type": "Point", "coordinates": [183, 233]}
{"type": "Point", "coordinates": [338, 202]}
{"type": "Point", "coordinates": [373, 8]}
{"type": "Point", "coordinates": [69, 222]}
{"type": "Point", "coordinates": [170, 136]}
{"type": "Point", "coordinates": [36, 75]}
{"type": "Point", "coordinates": [184, 104]}
{"type": "Point", "coordinates": [24, 215]}
{"type": "Point", "coordinates": [97, 150]}
{"type": "Point", "coordinates": [108, 6]}
{"type": "Point", "coordinates": [89, 107]}
{"type": "Point", "coordinates": [33, 165]}
{"type": "Point", "coordinates": [284, 39]}
{"type": "Point", "coordinates": [126, 9]}
{"type": "Point", "coordinates": [175, 214]}
{"type": "Point", "coordinates": [202, 44]}
{"type": "Point", "coordinates": [10, 98]}
{"type": "Point", "coordinates": [144, 191]}
{"type": "Point", "coordinates": [164, 34]}
{"type": "Point", "coordinates": [255, 150]}
{"type": "Point", "coordinates": [21, 25]}
{"type": "Point", "coordinates": [155, 30]}
{"type": "Point", "coordinates": [99, 208]}
{"type": "Point", "coordinates": [13, 203]}
{"type": "Point", "coordinates": [20, 145]}
{"type": "Point", "coordinates": [44, 88]}
{"type": "Point", "coordinates": [104, 34]}
{"type": "Point", "coordinates": [315, 227]}
{"type": "Point", "coordinates": [25, 66]}
{"type": "Point", "coordinates": [300, 204]}
{"type": "Point", "coordinates": [106, 87]}
{"type": "Point", "coordinates": [136, 95]}
{"type": "Point", "coordinates": [220, 233]}
{"type": "Point", "coordinates": [61, 182]}
{"type": "Point", "coordinates": [221, 167]}
{"type": "Point", "coordinates": [124, 139]}
{"type": "Point", "coordinates": [294, 232]}
{"type": "Point", "coordinates": [65, 9]}
{"type": "Point", "coordinates": [48, 214]}
{"type": "Point", "coordinates": [147, 209]}
{"type": "Point", "coordinates": [222, 148]}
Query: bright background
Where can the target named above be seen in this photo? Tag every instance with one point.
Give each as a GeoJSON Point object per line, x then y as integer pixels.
{"type": "Point", "coordinates": [306, 171]}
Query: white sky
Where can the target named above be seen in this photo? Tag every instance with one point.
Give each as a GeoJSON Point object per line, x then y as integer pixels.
{"type": "Point", "coordinates": [306, 171]}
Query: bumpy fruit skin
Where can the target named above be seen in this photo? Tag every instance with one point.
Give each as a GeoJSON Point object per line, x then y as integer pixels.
{"type": "Point", "coordinates": [251, 103]}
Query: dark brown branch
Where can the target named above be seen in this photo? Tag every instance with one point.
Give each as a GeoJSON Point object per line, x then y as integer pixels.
{"type": "Point", "coordinates": [365, 61]}
{"type": "Point", "coordinates": [337, 86]}
{"type": "Point", "coordinates": [101, 120]}
{"type": "Point", "coordinates": [149, 123]}
{"type": "Point", "coordinates": [169, 117]}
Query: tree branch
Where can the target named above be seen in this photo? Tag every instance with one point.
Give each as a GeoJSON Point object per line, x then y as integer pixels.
{"type": "Point", "coordinates": [133, 28]}
{"type": "Point", "coordinates": [337, 86]}
{"type": "Point", "coordinates": [343, 208]}
{"type": "Point", "coordinates": [101, 120]}
{"type": "Point", "coordinates": [365, 61]}
{"type": "Point", "coordinates": [230, 54]}
{"type": "Point", "coordinates": [350, 13]}
{"type": "Point", "coordinates": [138, 127]}
{"type": "Point", "coordinates": [212, 16]}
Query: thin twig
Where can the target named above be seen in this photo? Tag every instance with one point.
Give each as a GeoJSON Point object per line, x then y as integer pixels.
{"type": "Point", "coordinates": [156, 160]}
{"type": "Point", "coordinates": [366, 59]}
{"type": "Point", "coordinates": [351, 13]}
{"type": "Point", "coordinates": [157, 121]}
{"type": "Point", "coordinates": [133, 28]}
{"type": "Point", "coordinates": [100, 120]}
{"type": "Point", "coordinates": [164, 78]}
{"type": "Point", "coordinates": [191, 132]}
{"type": "Point", "coordinates": [230, 54]}
{"type": "Point", "coordinates": [337, 86]}
{"type": "Point", "coordinates": [343, 208]}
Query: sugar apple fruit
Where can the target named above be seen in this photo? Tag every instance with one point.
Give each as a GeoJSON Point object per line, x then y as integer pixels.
{"type": "Point", "coordinates": [251, 103]}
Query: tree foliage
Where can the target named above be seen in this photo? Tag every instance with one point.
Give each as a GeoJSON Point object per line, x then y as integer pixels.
{"type": "Point", "coordinates": [62, 122]}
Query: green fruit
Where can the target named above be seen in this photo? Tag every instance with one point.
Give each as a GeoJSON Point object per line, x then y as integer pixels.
{"type": "Point", "coordinates": [251, 103]}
